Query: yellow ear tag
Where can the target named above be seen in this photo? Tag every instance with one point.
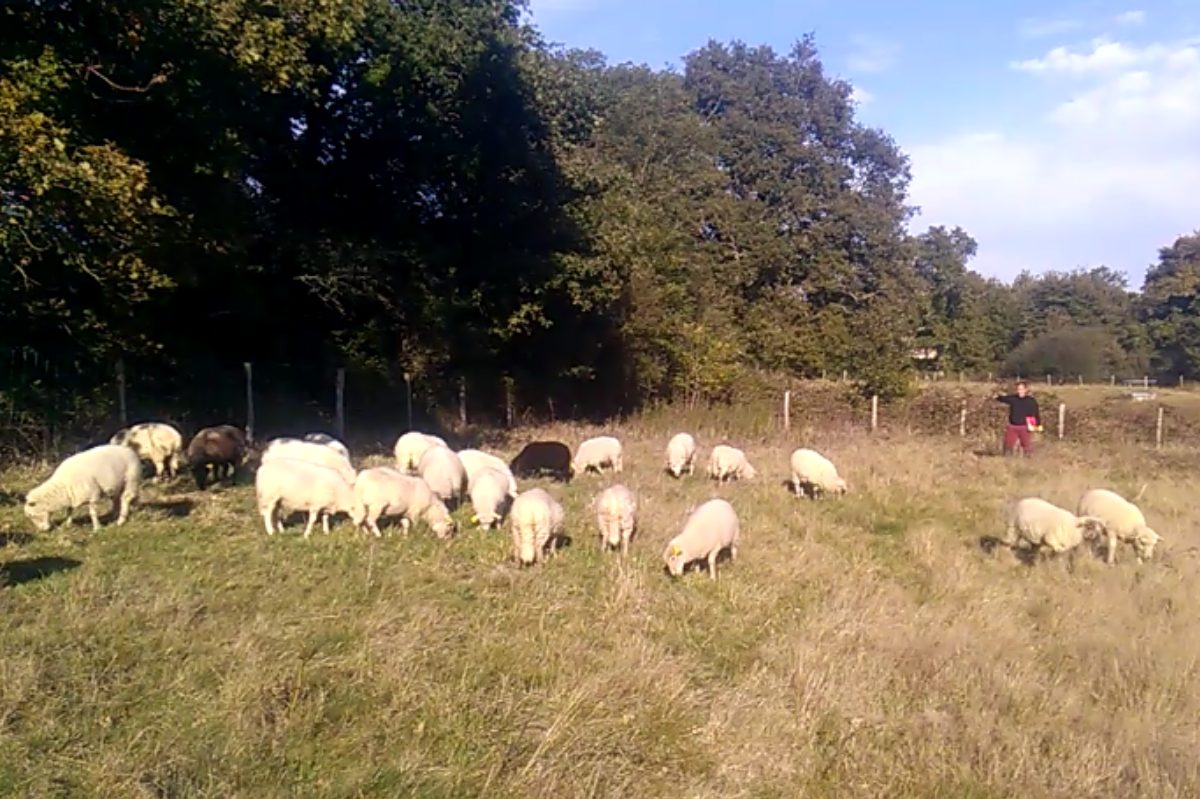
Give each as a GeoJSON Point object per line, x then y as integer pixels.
{"type": "Point", "coordinates": [474, 520]}
{"type": "Point", "coordinates": [676, 550]}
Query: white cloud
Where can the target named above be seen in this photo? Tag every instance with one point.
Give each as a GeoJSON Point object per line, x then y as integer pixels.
{"type": "Point", "coordinates": [1105, 174]}
{"type": "Point", "coordinates": [1037, 27]}
{"type": "Point", "coordinates": [872, 54]}
{"type": "Point", "coordinates": [861, 96]}
{"type": "Point", "coordinates": [1104, 56]}
{"type": "Point", "coordinates": [1131, 18]}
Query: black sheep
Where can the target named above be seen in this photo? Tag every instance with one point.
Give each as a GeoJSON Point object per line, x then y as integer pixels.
{"type": "Point", "coordinates": [222, 447]}
{"type": "Point", "coordinates": [543, 457]}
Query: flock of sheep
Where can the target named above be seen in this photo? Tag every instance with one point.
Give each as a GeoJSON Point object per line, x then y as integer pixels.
{"type": "Point", "coordinates": [314, 475]}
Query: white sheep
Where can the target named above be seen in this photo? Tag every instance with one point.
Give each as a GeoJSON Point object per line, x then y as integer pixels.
{"type": "Point", "coordinates": [319, 454]}
{"type": "Point", "coordinates": [490, 494]}
{"type": "Point", "coordinates": [475, 461]}
{"type": "Point", "coordinates": [729, 463]}
{"type": "Point", "coordinates": [709, 529]}
{"type": "Point", "coordinates": [444, 472]}
{"type": "Point", "coordinates": [1043, 526]}
{"type": "Point", "coordinates": [616, 516]}
{"type": "Point", "coordinates": [329, 441]}
{"type": "Point", "coordinates": [814, 474]}
{"type": "Point", "coordinates": [681, 454]}
{"type": "Point", "coordinates": [159, 443]}
{"type": "Point", "coordinates": [291, 484]}
{"type": "Point", "coordinates": [108, 470]}
{"type": "Point", "coordinates": [1123, 521]}
{"type": "Point", "coordinates": [384, 491]}
{"type": "Point", "coordinates": [536, 520]}
{"type": "Point", "coordinates": [411, 446]}
{"type": "Point", "coordinates": [596, 453]}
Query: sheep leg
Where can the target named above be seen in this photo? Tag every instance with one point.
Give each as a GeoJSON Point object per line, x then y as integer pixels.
{"type": "Point", "coordinates": [325, 521]}
{"type": "Point", "coordinates": [312, 519]}
{"type": "Point", "coordinates": [1110, 556]}
{"type": "Point", "coordinates": [712, 564]}
{"type": "Point", "coordinates": [95, 516]}
{"type": "Point", "coordinates": [125, 502]}
{"type": "Point", "coordinates": [624, 546]}
{"type": "Point", "coordinates": [617, 465]}
{"type": "Point", "coordinates": [405, 523]}
{"type": "Point", "coordinates": [268, 517]}
{"type": "Point", "coordinates": [372, 524]}
{"type": "Point", "coordinates": [733, 551]}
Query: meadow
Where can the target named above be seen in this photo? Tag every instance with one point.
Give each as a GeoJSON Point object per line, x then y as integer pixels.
{"type": "Point", "coordinates": [862, 647]}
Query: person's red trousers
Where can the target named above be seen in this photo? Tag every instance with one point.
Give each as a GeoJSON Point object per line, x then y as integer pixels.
{"type": "Point", "coordinates": [1015, 433]}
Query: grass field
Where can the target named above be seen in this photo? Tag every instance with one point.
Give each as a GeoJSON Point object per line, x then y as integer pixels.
{"type": "Point", "coordinates": [865, 647]}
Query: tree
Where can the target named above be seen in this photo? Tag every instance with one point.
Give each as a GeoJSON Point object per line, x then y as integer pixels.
{"type": "Point", "coordinates": [1171, 307]}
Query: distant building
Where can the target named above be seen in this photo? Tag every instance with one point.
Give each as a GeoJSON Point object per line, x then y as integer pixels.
{"type": "Point", "coordinates": [925, 353]}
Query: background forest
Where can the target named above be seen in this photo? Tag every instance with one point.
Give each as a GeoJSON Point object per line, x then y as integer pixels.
{"type": "Point", "coordinates": [429, 187]}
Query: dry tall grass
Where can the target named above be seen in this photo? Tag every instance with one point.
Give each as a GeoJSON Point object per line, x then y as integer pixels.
{"type": "Point", "coordinates": [861, 647]}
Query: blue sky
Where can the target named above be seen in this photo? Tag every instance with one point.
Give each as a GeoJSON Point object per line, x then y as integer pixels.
{"type": "Point", "coordinates": [1059, 135]}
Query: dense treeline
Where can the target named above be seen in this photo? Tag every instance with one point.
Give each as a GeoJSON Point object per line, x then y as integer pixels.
{"type": "Point", "coordinates": [427, 187]}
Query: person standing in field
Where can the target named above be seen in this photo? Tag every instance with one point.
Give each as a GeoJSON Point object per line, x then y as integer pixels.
{"type": "Point", "coordinates": [1023, 419]}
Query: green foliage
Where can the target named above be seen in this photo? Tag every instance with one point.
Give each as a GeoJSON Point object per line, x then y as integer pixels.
{"type": "Point", "coordinates": [429, 188]}
{"type": "Point", "coordinates": [1171, 307]}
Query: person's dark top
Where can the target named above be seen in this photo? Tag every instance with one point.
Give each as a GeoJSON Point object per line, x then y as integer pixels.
{"type": "Point", "coordinates": [1020, 408]}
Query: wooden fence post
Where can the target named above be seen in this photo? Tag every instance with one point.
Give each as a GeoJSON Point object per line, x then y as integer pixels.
{"type": "Point", "coordinates": [1112, 381]}
{"type": "Point", "coordinates": [121, 391]}
{"type": "Point", "coordinates": [462, 401]}
{"type": "Point", "coordinates": [1081, 380]}
{"type": "Point", "coordinates": [845, 375]}
{"type": "Point", "coordinates": [787, 410]}
{"type": "Point", "coordinates": [962, 420]}
{"type": "Point", "coordinates": [249, 367]}
{"type": "Point", "coordinates": [874, 412]}
{"type": "Point", "coordinates": [1048, 380]}
{"type": "Point", "coordinates": [1062, 418]}
{"type": "Point", "coordinates": [1146, 381]}
{"type": "Point", "coordinates": [1158, 429]}
{"type": "Point", "coordinates": [339, 407]}
{"type": "Point", "coordinates": [508, 401]}
{"type": "Point", "coordinates": [408, 393]}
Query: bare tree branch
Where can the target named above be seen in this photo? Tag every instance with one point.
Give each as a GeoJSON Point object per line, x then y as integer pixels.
{"type": "Point", "coordinates": [94, 69]}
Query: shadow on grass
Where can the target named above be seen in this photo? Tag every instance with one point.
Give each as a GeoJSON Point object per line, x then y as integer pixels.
{"type": "Point", "coordinates": [174, 507]}
{"type": "Point", "coordinates": [18, 572]}
{"type": "Point", "coordinates": [9, 498]}
{"type": "Point", "coordinates": [10, 537]}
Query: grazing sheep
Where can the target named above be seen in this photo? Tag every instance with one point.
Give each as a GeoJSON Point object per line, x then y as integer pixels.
{"type": "Point", "coordinates": [219, 450]}
{"type": "Point", "coordinates": [159, 443]}
{"type": "Point", "coordinates": [318, 454]}
{"type": "Point", "coordinates": [384, 491]}
{"type": "Point", "coordinates": [329, 441]}
{"type": "Point", "coordinates": [108, 470]}
{"type": "Point", "coordinates": [410, 448]}
{"type": "Point", "coordinates": [299, 485]}
{"type": "Point", "coordinates": [475, 461]}
{"type": "Point", "coordinates": [814, 474]}
{"type": "Point", "coordinates": [544, 457]}
{"type": "Point", "coordinates": [444, 472]}
{"type": "Point", "coordinates": [710, 528]}
{"type": "Point", "coordinates": [1045, 527]}
{"type": "Point", "coordinates": [616, 515]}
{"type": "Point", "coordinates": [1123, 521]}
{"type": "Point", "coordinates": [490, 494]}
{"type": "Point", "coordinates": [536, 520]}
{"type": "Point", "coordinates": [596, 453]}
{"type": "Point", "coordinates": [681, 454]}
{"type": "Point", "coordinates": [729, 463]}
